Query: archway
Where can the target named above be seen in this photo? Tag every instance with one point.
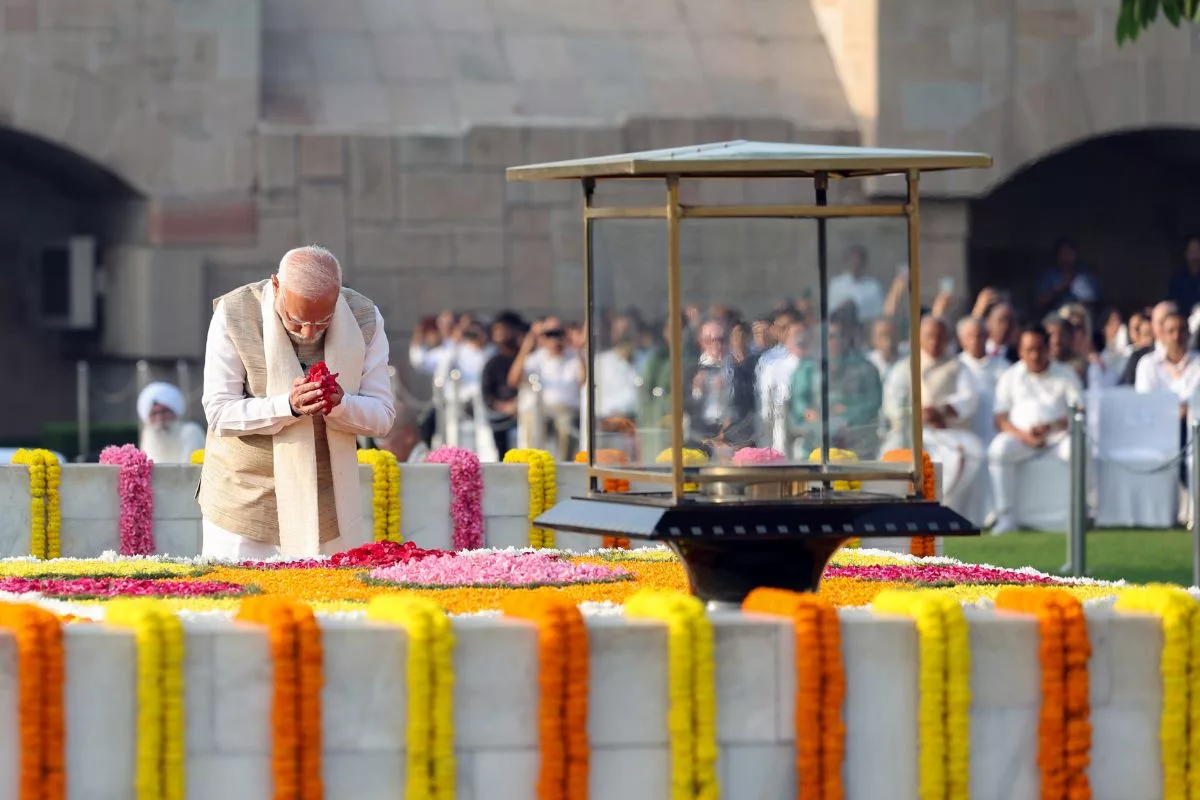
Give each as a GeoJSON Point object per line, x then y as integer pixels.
{"type": "Point", "coordinates": [49, 197]}
{"type": "Point", "coordinates": [1128, 200]}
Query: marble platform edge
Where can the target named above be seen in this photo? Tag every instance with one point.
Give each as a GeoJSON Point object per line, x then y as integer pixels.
{"type": "Point", "coordinates": [229, 686]}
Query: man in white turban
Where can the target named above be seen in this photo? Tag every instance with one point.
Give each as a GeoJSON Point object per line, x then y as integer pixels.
{"type": "Point", "coordinates": [280, 466]}
{"type": "Point", "coordinates": [166, 437]}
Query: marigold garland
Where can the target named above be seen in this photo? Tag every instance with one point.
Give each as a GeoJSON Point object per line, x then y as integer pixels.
{"type": "Point", "coordinates": [691, 458]}
{"type": "Point", "coordinates": [298, 658]}
{"type": "Point", "coordinates": [563, 700]}
{"type": "Point", "coordinates": [197, 457]}
{"type": "Point", "coordinates": [923, 546]}
{"type": "Point", "coordinates": [1179, 730]}
{"type": "Point", "coordinates": [944, 682]}
{"type": "Point", "coordinates": [613, 485]}
{"type": "Point", "coordinates": [45, 477]}
{"type": "Point", "coordinates": [161, 727]}
{"type": "Point", "coordinates": [135, 488]}
{"type": "Point", "coordinates": [692, 710]}
{"type": "Point", "coordinates": [385, 493]}
{"type": "Point", "coordinates": [430, 771]}
{"type": "Point", "coordinates": [543, 490]}
{"type": "Point", "coordinates": [1065, 728]}
{"type": "Point", "coordinates": [838, 455]}
{"type": "Point", "coordinates": [820, 689]}
{"type": "Point", "coordinates": [40, 707]}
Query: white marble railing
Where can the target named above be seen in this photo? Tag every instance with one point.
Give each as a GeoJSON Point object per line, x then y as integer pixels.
{"type": "Point", "coordinates": [90, 508]}
{"type": "Point", "coordinates": [229, 690]}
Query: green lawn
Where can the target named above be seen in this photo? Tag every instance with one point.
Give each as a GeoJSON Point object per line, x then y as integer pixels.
{"type": "Point", "coordinates": [1136, 556]}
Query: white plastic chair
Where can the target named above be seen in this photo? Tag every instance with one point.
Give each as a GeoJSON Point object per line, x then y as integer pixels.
{"type": "Point", "coordinates": [1138, 435]}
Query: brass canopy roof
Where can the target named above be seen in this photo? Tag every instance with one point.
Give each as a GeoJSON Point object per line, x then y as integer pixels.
{"type": "Point", "coordinates": [742, 159]}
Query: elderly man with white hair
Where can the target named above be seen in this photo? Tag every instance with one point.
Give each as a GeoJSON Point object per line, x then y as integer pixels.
{"type": "Point", "coordinates": [280, 466]}
{"type": "Point", "coordinates": [167, 438]}
{"type": "Point", "coordinates": [949, 400]}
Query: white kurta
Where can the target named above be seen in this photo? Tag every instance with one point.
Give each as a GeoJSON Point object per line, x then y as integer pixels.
{"type": "Point", "coordinates": [368, 412]}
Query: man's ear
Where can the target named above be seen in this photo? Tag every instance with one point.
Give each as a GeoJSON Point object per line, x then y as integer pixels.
{"type": "Point", "coordinates": [275, 282]}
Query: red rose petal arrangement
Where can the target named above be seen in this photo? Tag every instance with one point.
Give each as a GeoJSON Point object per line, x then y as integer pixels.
{"type": "Point", "coordinates": [375, 554]}
{"type": "Point", "coordinates": [319, 373]}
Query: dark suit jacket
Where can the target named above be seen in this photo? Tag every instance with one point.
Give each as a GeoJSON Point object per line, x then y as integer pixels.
{"type": "Point", "coordinates": [1130, 374]}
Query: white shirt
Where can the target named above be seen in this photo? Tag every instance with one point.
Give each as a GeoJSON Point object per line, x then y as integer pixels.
{"type": "Point", "coordinates": [617, 384]}
{"type": "Point", "coordinates": [986, 371]}
{"type": "Point", "coordinates": [1154, 373]}
{"type": "Point", "coordinates": [468, 359]}
{"type": "Point", "coordinates": [774, 376]}
{"type": "Point", "coordinates": [426, 359]}
{"type": "Point", "coordinates": [560, 375]}
{"type": "Point", "coordinates": [1031, 400]}
{"type": "Point", "coordinates": [230, 412]}
{"type": "Point", "coordinates": [865, 293]}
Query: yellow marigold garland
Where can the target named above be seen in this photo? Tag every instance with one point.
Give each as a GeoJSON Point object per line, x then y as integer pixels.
{"type": "Point", "coordinates": [1065, 728]}
{"type": "Point", "coordinates": [40, 700]}
{"type": "Point", "coordinates": [385, 493]}
{"type": "Point", "coordinates": [692, 709]}
{"type": "Point", "coordinates": [430, 771]}
{"type": "Point", "coordinates": [838, 455]}
{"type": "Point", "coordinates": [197, 457]}
{"type": "Point", "coordinates": [1180, 722]}
{"type": "Point", "coordinates": [543, 490]}
{"type": "Point", "coordinates": [944, 682]}
{"type": "Point", "coordinates": [161, 727]}
{"type": "Point", "coordinates": [820, 688]}
{"type": "Point", "coordinates": [45, 477]}
{"type": "Point", "coordinates": [691, 458]}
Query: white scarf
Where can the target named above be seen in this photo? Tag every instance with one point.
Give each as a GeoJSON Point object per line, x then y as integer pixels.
{"type": "Point", "coordinates": [294, 448]}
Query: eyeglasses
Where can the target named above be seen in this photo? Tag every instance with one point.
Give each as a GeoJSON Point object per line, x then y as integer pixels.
{"type": "Point", "coordinates": [297, 323]}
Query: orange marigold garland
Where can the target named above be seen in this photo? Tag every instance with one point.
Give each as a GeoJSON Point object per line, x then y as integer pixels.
{"type": "Point", "coordinates": [610, 457]}
{"type": "Point", "coordinates": [922, 546]}
{"type": "Point", "coordinates": [298, 658]}
{"type": "Point", "coordinates": [820, 688]}
{"type": "Point", "coordinates": [563, 703]}
{"type": "Point", "coordinates": [40, 712]}
{"type": "Point", "coordinates": [1065, 728]}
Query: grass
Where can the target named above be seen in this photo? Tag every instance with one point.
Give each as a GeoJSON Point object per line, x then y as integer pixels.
{"type": "Point", "coordinates": [1138, 556]}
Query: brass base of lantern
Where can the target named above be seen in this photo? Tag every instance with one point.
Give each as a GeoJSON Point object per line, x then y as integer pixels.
{"type": "Point", "coordinates": [730, 547]}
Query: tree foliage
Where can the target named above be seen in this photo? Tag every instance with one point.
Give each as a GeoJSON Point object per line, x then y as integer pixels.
{"type": "Point", "coordinates": [1138, 15]}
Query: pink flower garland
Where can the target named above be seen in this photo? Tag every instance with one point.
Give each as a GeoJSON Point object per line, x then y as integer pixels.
{"type": "Point", "coordinates": [466, 494]}
{"type": "Point", "coordinates": [496, 570]}
{"type": "Point", "coordinates": [749, 456]}
{"type": "Point", "coordinates": [137, 498]}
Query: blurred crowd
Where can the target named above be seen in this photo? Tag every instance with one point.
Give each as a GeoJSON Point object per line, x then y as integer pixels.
{"type": "Point", "coordinates": [998, 380]}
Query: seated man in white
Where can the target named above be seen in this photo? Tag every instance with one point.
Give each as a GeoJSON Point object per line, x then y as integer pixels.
{"type": "Point", "coordinates": [1172, 367]}
{"type": "Point", "coordinates": [1033, 400]}
{"type": "Point", "coordinates": [949, 399]}
{"type": "Point", "coordinates": [986, 369]}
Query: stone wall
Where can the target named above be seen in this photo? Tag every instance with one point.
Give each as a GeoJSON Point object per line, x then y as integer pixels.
{"type": "Point", "coordinates": [91, 508]}
{"type": "Point", "coordinates": [365, 702]}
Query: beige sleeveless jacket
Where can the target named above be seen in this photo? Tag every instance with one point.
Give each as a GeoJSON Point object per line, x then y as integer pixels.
{"type": "Point", "coordinates": [237, 485]}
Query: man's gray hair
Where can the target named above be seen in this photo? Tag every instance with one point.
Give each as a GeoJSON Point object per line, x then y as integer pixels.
{"type": "Point", "coordinates": [969, 322]}
{"type": "Point", "coordinates": [310, 272]}
{"type": "Point", "coordinates": [936, 319]}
